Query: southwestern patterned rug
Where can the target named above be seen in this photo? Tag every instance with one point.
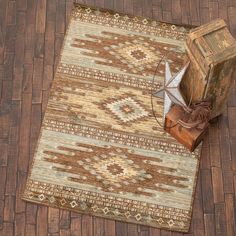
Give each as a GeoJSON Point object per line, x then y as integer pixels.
{"type": "Point", "coordinates": [100, 151]}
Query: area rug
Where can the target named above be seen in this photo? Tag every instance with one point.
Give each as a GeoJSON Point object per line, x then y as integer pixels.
{"type": "Point", "coordinates": [100, 151]}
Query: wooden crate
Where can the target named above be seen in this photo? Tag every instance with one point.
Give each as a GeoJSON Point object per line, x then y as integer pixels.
{"type": "Point", "coordinates": [211, 50]}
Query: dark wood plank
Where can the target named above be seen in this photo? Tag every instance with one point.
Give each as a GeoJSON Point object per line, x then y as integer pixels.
{"type": "Point", "coordinates": [87, 226]}
{"type": "Point", "coordinates": [209, 222]}
{"type": "Point", "coordinates": [232, 134]}
{"type": "Point", "coordinates": [42, 224]}
{"type": "Point", "coordinates": [64, 219]}
{"type": "Point", "coordinates": [9, 208]}
{"type": "Point", "coordinates": [207, 193]}
{"type": "Point", "coordinates": [167, 16]}
{"type": "Point", "coordinates": [64, 232]}
{"type": "Point", "coordinates": [133, 230]}
{"type": "Point", "coordinates": [157, 10]}
{"type": "Point", "coordinates": [129, 7]}
{"type": "Point", "coordinates": [41, 16]}
{"type": "Point", "coordinates": [147, 9]}
{"type": "Point", "coordinates": [224, 144]}
{"type": "Point", "coordinates": [37, 81]}
{"type": "Point", "coordinates": [155, 232]}
{"type": "Point", "coordinates": [75, 229]}
{"type": "Point", "coordinates": [220, 219]}
{"type": "Point", "coordinates": [53, 220]}
{"type": "Point", "coordinates": [1, 39]}
{"type": "Point", "coordinates": [11, 13]}
{"type": "Point", "coordinates": [213, 10]}
{"type": "Point", "coordinates": [228, 183]}
{"type": "Point", "coordinates": [98, 226]}
{"type": "Point", "coordinates": [217, 182]}
{"type": "Point", "coordinates": [108, 4]}
{"type": "Point", "coordinates": [230, 214]}
{"type": "Point", "coordinates": [8, 229]}
{"type": "Point", "coordinates": [60, 16]}
{"type": "Point", "coordinates": [205, 162]}
{"type": "Point", "coordinates": [24, 142]}
{"type": "Point", "coordinates": [99, 3]}
{"type": "Point", "coordinates": [19, 224]}
{"type": "Point", "coordinates": [121, 229]}
{"type": "Point", "coordinates": [144, 230]}
{"type": "Point", "coordinates": [232, 19]}
{"type": "Point", "coordinates": [58, 44]}
{"type": "Point", "coordinates": [214, 145]}
{"type": "Point", "coordinates": [22, 5]}
{"type": "Point", "coordinates": [204, 15]}
{"type": "Point", "coordinates": [232, 95]}
{"type": "Point", "coordinates": [166, 5]}
{"type": "Point", "coordinates": [27, 79]}
{"type": "Point", "coordinates": [47, 77]}
{"type": "Point", "coordinates": [45, 101]}
{"type": "Point", "coordinates": [185, 11]}
{"type": "Point", "coordinates": [50, 33]}
{"type": "Point", "coordinates": [69, 7]}
{"type": "Point", "coordinates": [2, 186]}
{"type": "Point", "coordinates": [165, 233]}
{"type": "Point", "coordinates": [10, 39]}
{"type": "Point", "coordinates": [3, 157]}
{"type": "Point", "coordinates": [30, 230]}
{"type": "Point", "coordinates": [119, 5]}
{"type": "Point", "coordinates": [176, 11]}
{"type": "Point", "coordinates": [18, 62]}
{"type": "Point", "coordinates": [12, 162]}
{"type": "Point", "coordinates": [39, 45]}
{"type": "Point", "coordinates": [110, 227]}
{"type": "Point", "coordinates": [30, 33]}
{"type": "Point", "coordinates": [223, 14]}
{"type": "Point", "coordinates": [194, 12]}
{"type": "Point", "coordinates": [36, 119]}
{"type": "Point", "coordinates": [197, 224]}
{"type": "Point", "coordinates": [31, 214]}
{"type": "Point", "coordinates": [20, 205]}
{"type": "Point", "coordinates": [204, 3]}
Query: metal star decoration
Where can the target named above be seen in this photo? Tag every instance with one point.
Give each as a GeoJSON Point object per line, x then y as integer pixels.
{"type": "Point", "coordinates": [171, 91]}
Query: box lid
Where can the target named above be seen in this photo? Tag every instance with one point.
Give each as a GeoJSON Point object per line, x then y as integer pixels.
{"type": "Point", "coordinates": [211, 43]}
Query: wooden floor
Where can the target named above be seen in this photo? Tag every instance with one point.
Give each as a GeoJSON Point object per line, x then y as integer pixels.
{"type": "Point", "coordinates": [31, 35]}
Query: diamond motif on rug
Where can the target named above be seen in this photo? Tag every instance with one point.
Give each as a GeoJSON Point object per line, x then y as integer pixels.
{"type": "Point", "coordinates": [114, 169]}
{"type": "Point", "coordinates": [127, 109]}
{"type": "Point", "coordinates": [129, 53]}
{"type": "Point", "coordinates": [137, 55]}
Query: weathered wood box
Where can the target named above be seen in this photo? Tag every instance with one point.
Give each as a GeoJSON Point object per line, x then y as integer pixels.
{"type": "Point", "coordinates": [190, 138]}
{"type": "Point", "coordinates": [211, 50]}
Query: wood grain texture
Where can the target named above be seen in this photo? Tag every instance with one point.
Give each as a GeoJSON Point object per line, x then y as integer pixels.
{"type": "Point", "coordinates": [31, 35]}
